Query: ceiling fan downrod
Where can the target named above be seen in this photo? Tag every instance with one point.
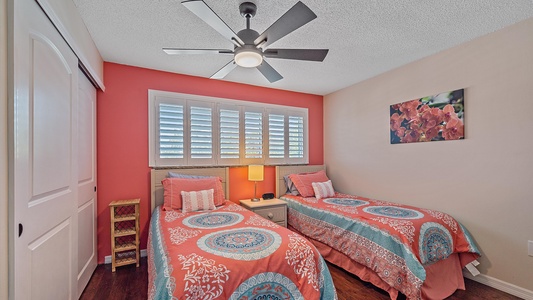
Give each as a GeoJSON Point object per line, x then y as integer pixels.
{"type": "Point", "coordinates": [248, 10]}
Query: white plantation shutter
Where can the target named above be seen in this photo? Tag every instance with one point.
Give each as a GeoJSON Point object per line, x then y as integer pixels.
{"type": "Point", "coordinates": [229, 135]}
{"type": "Point", "coordinates": [296, 137]}
{"type": "Point", "coordinates": [276, 136]}
{"type": "Point", "coordinates": [253, 135]}
{"type": "Point", "coordinates": [171, 131]}
{"type": "Point", "coordinates": [287, 139]}
{"type": "Point", "coordinates": [191, 130]}
{"type": "Point", "coordinates": [200, 132]}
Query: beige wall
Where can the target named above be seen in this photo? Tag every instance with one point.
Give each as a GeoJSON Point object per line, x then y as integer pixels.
{"type": "Point", "coordinates": [486, 180]}
{"type": "Point", "coordinates": [3, 151]}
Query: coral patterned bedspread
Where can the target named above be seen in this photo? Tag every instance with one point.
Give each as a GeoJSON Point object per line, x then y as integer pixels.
{"type": "Point", "coordinates": [395, 241]}
{"type": "Point", "coordinates": [231, 253]}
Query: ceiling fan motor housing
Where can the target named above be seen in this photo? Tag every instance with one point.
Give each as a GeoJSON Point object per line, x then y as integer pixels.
{"type": "Point", "coordinates": [248, 36]}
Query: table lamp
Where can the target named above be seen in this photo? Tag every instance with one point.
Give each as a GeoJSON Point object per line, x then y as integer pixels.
{"type": "Point", "coordinates": [255, 173]}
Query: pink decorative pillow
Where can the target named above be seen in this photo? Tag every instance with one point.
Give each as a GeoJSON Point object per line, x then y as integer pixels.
{"type": "Point", "coordinates": [303, 182]}
{"type": "Point", "coordinates": [174, 186]}
{"type": "Point", "coordinates": [200, 200]}
{"type": "Point", "coordinates": [323, 189]}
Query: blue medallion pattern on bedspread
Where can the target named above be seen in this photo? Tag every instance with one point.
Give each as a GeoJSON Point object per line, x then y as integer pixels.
{"type": "Point", "coordinates": [436, 243]}
{"type": "Point", "coordinates": [393, 212]}
{"type": "Point", "coordinates": [241, 244]}
{"type": "Point", "coordinates": [267, 286]}
{"type": "Point", "coordinates": [393, 240]}
{"type": "Point", "coordinates": [213, 220]}
{"type": "Point", "coordinates": [345, 201]}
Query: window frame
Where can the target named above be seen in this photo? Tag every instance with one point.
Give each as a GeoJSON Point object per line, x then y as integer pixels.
{"type": "Point", "coordinates": [155, 97]}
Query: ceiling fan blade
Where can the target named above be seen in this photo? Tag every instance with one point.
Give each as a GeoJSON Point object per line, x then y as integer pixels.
{"type": "Point", "coordinates": [173, 51]}
{"type": "Point", "coordinates": [225, 70]}
{"type": "Point", "coordinates": [299, 54]}
{"type": "Point", "coordinates": [204, 12]}
{"type": "Point", "coordinates": [293, 19]}
{"type": "Point", "coordinates": [269, 72]}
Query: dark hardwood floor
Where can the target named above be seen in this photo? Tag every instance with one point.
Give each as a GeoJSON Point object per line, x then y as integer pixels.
{"type": "Point", "coordinates": [131, 283]}
{"type": "Point", "coordinates": [126, 283]}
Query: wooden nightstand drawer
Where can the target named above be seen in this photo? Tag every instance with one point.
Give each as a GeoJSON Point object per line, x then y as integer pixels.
{"type": "Point", "coordinates": [274, 214]}
{"type": "Point", "coordinates": [274, 210]}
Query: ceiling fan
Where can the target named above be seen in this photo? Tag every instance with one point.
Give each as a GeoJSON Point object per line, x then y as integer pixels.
{"type": "Point", "coordinates": [250, 46]}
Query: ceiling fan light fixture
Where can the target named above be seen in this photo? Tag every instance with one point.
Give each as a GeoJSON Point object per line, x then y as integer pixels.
{"type": "Point", "coordinates": [248, 57]}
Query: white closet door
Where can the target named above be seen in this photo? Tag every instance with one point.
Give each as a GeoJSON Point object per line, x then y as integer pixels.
{"type": "Point", "coordinates": [87, 258]}
{"type": "Point", "coordinates": [45, 164]}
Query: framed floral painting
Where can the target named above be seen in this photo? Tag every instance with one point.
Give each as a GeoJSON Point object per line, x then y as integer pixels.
{"type": "Point", "coordinates": [434, 118]}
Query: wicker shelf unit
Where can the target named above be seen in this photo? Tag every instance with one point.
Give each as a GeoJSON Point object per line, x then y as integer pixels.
{"type": "Point", "coordinates": [124, 232]}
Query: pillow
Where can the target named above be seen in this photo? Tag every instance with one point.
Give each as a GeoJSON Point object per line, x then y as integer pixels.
{"type": "Point", "coordinates": [179, 175]}
{"type": "Point", "coordinates": [323, 189]}
{"type": "Point", "coordinates": [291, 189]}
{"type": "Point", "coordinates": [174, 186]}
{"type": "Point", "coordinates": [303, 182]}
{"type": "Point", "coordinates": [195, 201]}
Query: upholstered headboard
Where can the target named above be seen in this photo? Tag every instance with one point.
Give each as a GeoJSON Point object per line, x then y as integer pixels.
{"type": "Point", "coordinates": [160, 174]}
{"type": "Point", "coordinates": [286, 170]}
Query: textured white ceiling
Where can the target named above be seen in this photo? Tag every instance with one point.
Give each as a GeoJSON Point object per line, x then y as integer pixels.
{"type": "Point", "coordinates": [365, 37]}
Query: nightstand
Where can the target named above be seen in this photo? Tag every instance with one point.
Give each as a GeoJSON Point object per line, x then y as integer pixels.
{"type": "Point", "coordinates": [274, 210]}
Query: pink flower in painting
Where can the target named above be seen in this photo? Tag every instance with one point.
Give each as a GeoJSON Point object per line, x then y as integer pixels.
{"type": "Point", "coordinates": [449, 113]}
{"type": "Point", "coordinates": [432, 133]}
{"type": "Point", "coordinates": [453, 130]}
{"type": "Point", "coordinates": [409, 108]}
{"type": "Point", "coordinates": [411, 136]}
{"type": "Point", "coordinates": [423, 108]}
{"type": "Point", "coordinates": [400, 132]}
{"type": "Point", "coordinates": [395, 121]}
{"type": "Point", "coordinates": [415, 123]}
{"type": "Point", "coordinates": [431, 118]}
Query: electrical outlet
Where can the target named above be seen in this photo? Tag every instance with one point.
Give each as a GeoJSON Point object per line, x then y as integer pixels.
{"type": "Point", "coordinates": [530, 248]}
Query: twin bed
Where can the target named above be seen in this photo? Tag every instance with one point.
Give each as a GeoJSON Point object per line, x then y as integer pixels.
{"type": "Point", "coordinates": [232, 253]}
{"type": "Point", "coordinates": [228, 253]}
{"type": "Point", "coordinates": [398, 248]}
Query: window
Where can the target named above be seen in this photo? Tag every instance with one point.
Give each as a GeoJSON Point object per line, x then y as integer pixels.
{"type": "Point", "coordinates": [190, 130]}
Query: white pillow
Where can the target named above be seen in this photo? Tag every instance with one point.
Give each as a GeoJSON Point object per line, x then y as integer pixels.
{"type": "Point", "coordinates": [199, 200]}
{"type": "Point", "coordinates": [323, 189]}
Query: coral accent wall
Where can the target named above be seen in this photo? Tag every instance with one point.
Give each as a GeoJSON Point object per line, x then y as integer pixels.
{"type": "Point", "coordinates": [122, 121]}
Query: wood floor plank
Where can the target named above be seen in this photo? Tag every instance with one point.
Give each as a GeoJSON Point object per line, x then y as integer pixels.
{"type": "Point", "coordinates": [131, 283]}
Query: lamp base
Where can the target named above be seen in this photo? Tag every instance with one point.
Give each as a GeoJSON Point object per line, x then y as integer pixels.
{"type": "Point", "coordinates": [255, 200]}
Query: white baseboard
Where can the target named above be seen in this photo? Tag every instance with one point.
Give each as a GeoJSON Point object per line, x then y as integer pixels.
{"type": "Point", "coordinates": [501, 285]}
{"type": "Point", "coordinates": [107, 259]}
